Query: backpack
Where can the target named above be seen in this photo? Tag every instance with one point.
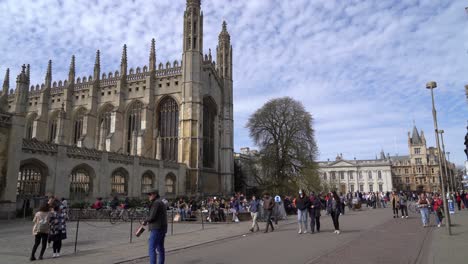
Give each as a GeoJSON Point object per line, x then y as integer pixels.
{"type": "Point", "coordinates": [43, 225]}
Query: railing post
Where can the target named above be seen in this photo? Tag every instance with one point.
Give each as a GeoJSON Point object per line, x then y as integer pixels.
{"type": "Point", "coordinates": [77, 227]}
{"type": "Point", "coordinates": [131, 228]}
{"type": "Point", "coordinates": [172, 222]}
{"type": "Point", "coordinates": [202, 222]}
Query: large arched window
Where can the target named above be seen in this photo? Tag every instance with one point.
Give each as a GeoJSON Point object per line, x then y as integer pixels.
{"type": "Point", "coordinates": [53, 128]}
{"type": "Point", "coordinates": [31, 180]}
{"type": "Point", "coordinates": [133, 125]}
{"type": "Point", "coordinates": [119, 183]}
{"type": "Point", "coordinates": [104, 126]}
{"type": "Point", "coordinates": [147, 182]}
{"type": "Point", "coordinates": [80, 183]}
{"type": "Point", "coordinates": [209, 114]}
{"type": "Point", "coordinates": [379, 175]}
{"type": "Point", "coordinates": [168, 124]}
{"type": "Point", "coordinates": [370, 175]}
{"type": "Point", "coordinates": [170, 184]}
{"type": "Point", "coordinates": [78, 125]}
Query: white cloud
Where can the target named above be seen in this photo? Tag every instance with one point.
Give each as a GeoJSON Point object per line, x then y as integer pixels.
{"type": "Point", "coordinates": [360, 67]}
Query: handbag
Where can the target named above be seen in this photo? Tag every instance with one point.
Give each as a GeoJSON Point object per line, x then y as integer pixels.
{"type": "Point", "coordinates": [140, 231]}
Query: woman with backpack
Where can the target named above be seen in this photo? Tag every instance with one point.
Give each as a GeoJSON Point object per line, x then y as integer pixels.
{"type": "Point", "coordinates": [40, 231]}
{"type": "Point", "coordinates": [58, 230]}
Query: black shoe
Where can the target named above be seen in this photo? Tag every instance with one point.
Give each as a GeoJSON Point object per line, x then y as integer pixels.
{"type": "Point", "coordinates": [251, 229]}
{"type": "Point", "coordinates": [32, 258]}
{"type": "Point", "coordinates": [266, 231]}
{"type": "Point", "coordinates": [40, 258]}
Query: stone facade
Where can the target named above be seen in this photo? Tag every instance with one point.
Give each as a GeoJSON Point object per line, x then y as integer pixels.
{"type": "Point", "coordinates": [418, 171]}
{"type": "Point", "coordinates": [174, 120]}
{"type": "Point", "coordinates": [357, 175]}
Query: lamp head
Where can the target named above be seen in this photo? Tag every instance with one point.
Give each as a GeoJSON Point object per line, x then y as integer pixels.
{"type": "Point", "coordinates": [431, 85]}
{"type": "Point", "coordinates": [441, 131]}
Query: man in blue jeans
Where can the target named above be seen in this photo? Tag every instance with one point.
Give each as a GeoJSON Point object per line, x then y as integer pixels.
{"type": "Point", "coordinates": [157, 223]}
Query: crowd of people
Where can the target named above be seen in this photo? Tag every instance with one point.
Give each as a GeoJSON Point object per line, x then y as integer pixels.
{"type": "Point", "coordinates": [50, 227]}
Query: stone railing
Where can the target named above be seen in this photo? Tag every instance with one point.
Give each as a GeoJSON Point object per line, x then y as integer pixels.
{"type": "Point", "coordinates": [137, 76]}
{"type": "Point", "coordinates": [150, 162]}
{"type": "Point", "coordinates": [169, 72]}
{"type": "Point", "coordinates": [120, 158]}
{"type": "Point", "coordinates": [36, 146]}
{"type": "Point", "coordinates": [84, 153]}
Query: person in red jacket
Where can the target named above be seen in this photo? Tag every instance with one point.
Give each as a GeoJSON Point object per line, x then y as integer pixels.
{"type": "Point", "coordinates": [459, 200]}
{"type": "Point", "coordinates": [438, 209]}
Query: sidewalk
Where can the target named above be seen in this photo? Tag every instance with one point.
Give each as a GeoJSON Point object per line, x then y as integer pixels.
{"type": "Point", "coordinates": [450, 249]}
{"type": "Point", "coordinates": [100, 250]}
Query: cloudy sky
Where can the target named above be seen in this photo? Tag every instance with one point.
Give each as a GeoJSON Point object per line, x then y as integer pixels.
{"type": "Point", "coordinates": [359, 67]}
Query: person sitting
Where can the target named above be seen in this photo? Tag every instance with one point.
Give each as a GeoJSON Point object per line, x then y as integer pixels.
{"type": "Point", "coordinates": [114, 203]}
{"type": "Point", "coordinates": [97, 204]}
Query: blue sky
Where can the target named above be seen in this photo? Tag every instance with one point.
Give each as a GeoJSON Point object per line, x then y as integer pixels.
{"type": "Point", "coordinates": [359, 67]}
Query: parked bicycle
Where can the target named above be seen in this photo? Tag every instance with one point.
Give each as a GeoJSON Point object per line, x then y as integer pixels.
{"type": "Point", "coordinates": [119, 214]}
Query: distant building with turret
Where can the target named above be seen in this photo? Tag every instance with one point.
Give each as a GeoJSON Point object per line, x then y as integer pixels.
{"type": "Point", "coordinates": [167, 126]}
{"type": "Point", "coordinates": [419, 171]}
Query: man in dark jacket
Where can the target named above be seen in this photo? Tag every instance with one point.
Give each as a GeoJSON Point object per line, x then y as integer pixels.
{"type": "Point", "coordinates": [314, 212]}
{"type": "Point", "coordinates": [268, 205]}
{"type": "Point", "coordinates": [157, 222]}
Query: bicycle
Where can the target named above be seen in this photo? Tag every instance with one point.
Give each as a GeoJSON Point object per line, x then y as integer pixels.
{"type": "Point", "coordinates": [117, 214]}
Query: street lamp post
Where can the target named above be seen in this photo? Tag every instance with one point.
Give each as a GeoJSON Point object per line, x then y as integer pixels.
{"type": "Point", "coordinates": [451, 175]}
{"type": "Point", "coordinates": [432, 86]}
{"type": "Point", "coordinates": [449, 181]}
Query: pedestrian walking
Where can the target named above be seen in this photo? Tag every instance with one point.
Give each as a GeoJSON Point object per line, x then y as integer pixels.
{"type": "Point", "coordinates": [58, 230]}
{"type": "Point", "coordinates": [395, 203]}
{"type": "Point", "coordinates": [302, 205]}
{"type": "Point", "coordinates": [423, 204]}
{"type": "Point", "coordinates": [459, 200]}
{"type": "Point", "coordinates": [334, 208]}
{"type": "Point", "coordinates": [314, 212]}
{"type": "Point", "coordinates": [438, 203]}
{"type": "Point", "coordinates": [268, 205]}
{"type": "Point", "coordinates": [157, 223]}
{"type": "Point", "coordinates": [403, 205]}
{"type": "Point", "coordinates": [254, 204]}
{"type": "Point", "coordinates": [40, 231]}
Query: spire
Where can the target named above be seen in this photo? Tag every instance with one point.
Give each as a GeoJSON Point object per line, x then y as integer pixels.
{"type": "Point", "coordinates": [97, 66]}
{"type": "Point", "coordinates": [123, 62]}
{"type": "Point", "coordinates": [28, 72]}
{"type": "Point", "coordinates": [224, 34]}
{"type": "Point", "coordinates": [71, 73]}
{"type": "Point", "coordinates": [22, 77]}
{"type": "Point", "coordinates": [152, 58]}
{"type": "Point", "coordinates": [6, 82]}
{"type": "Point", "coordinates": [48, 78]}
{"type": "Point", "coordinates": [415, 138]}
{"type": "Point", "coordinates": [193, 3]}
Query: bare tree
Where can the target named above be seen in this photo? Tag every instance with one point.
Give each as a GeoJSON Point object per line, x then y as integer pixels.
{"type": "Point", "coordinates": [282, 129]}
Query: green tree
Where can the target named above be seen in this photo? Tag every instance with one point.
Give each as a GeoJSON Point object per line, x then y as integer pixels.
{"type": "Point", "coordinates": [282, 129]}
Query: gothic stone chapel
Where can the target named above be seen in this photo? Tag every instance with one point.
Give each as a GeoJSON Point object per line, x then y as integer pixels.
{"type": "Point", "coordinates": [122, 133]}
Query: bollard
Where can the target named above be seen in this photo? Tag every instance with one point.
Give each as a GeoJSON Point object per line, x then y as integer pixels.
{"type": "Point", "coordinates": [77, 227]}
{"type": "Point", "coordinates": [172, 223]}
{"type": "Point", "coordinates": [131, 228]}
{"type": "Point", "coordinates": [202, 222]}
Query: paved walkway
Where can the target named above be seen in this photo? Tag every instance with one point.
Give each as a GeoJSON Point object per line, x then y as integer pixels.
{"type": "Point", "coordinates": [369, 236]}
{"type": "Point", "coordinates": [108, 243]}
{"type": "Point", "coordinates": [454, 248]}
